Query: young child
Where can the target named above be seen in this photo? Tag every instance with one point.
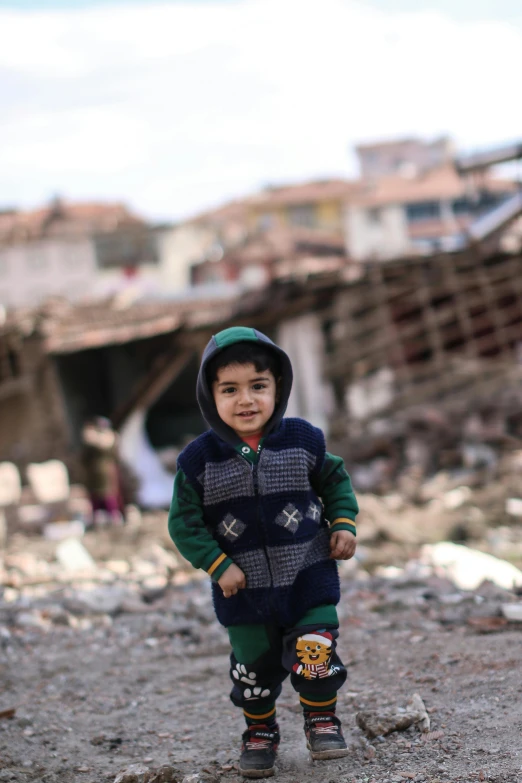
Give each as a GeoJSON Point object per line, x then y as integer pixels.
{"type": "Point", "coordinates": [101, 468]}
{"type": "Point", "coordinates": [265, 510]}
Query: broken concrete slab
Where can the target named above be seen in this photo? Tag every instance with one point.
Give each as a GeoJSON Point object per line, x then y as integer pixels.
{"type": "Point", "coordinates": [512, 612]}
{"type": "Point", "coordinates": [467, 568]}
{"type": "Point", "coordinates": [73, 556]}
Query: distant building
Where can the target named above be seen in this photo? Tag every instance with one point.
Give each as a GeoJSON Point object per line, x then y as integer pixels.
{"type": "Point", "coordinates": [201, 239]}
{"type": "Point", "coordinates": [313, 205]}
{"type": "Point", "coordinates": [405, 157]}
{"type": "Point", "coordinates": [272, 254]}
{"type": "Point", "coordinates": [73, 250]}
{"type": "Point", "coordinates": [399, 215]}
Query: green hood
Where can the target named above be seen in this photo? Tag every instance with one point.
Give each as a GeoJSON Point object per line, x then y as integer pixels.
{"type": "Point", "coordinates": [238, 334]}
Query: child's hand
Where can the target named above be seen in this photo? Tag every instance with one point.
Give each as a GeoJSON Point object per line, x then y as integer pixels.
{"type": "Point", "coordinates": [342, 545]}
{"type": "Point", "coordinates": [232, 580]}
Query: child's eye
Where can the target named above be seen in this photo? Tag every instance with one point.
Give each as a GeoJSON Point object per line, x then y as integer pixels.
{"type": "Point", "coordinates": [259, 386]}
{"type": "Point", "coordinates": [229, 390]}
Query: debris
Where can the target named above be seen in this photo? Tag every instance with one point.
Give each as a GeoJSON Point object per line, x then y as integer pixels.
{"type": "Point", "coordinates": [164, 774]}
{"type": "Point", "coordinates": [487, 624]}
{"type": "Point", "coordinates": [512, 612]}
{"type": "Point", "coordinates": [73, 556]}
{"type": "Point", "coordinates": [514, 507]}
{"type": "Point", "coordinates": [456, 498]}
{"type": "Point", "coordinates": [101, 600]}
{"type": "Point", "coordinates": [10, 484]}
{"type": "Point", "coordinates": [8, 713]}
{"type": "Point", "coordinates": [57, 531]}
{"type": "Point", "coordinates": [468, 568]}
{"type": "Point", "coordinates": [49, 481]}
{"type": "Point", "coordinates": [376, 723]}
{"type": "Point", "coordinates": [432, 735]}
{"type": "Point", "coordinates": [31, 619]}
{"type": "Point", "coordinates": [136, 773]}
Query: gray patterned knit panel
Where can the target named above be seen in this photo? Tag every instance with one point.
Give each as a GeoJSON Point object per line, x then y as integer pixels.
{"type": "Point", "coordinates": [231, 528]}
{"type": "Point", "coordinates": [227, 480]}
{"type": "Point", "coordinates": [287, 561]}
{"type": "Point", "coordinates": [284, 471]}
{"type": "Point", "coordinates": [255, 567]}
{"type": "Point", "coordinates": [289, 518]}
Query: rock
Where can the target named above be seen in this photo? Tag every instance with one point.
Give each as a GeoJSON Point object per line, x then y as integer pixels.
{"type": "Point", "coordinates": [101, 600]}
{"type": "Point", "coordinates": [512, 612]}
{"type": "Point", "coordinates": [514, 507]}
{"type": "Point", "coordinates": [159, 557]}
{"type": "Point", "coordinates": [57, 531]}
{"type": "Point", "coordinates": [153, 587]}
{"type": "Point", "coordinates": [468, 568]}
{"type": "Point", "coordinates": [73, 556]}
{"type": "Point", "coordinates": [377, 723]}
{"type": "Point", "coordinates": [49, 481]}
{"type": "Point", "coordinates": [136, 773]}
{"type": "Point", "coordinates": [118, 567]}
{"type": "Point", "coordinates": [10, 484]}
{"type": "Point", "coordinates": [164, 774]}
{"type": "Point", "coordinates": [456, 498]}
{"type": "Point", "coordinates": [5, 636]}
{"type": "Point", "coordinates": [200, 608]}
{"type": "Point", "coordinates": [31, 619]}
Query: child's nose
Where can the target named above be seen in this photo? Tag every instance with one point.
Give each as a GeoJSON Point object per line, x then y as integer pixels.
{"type": "Point", "coordinates": [246, 397]}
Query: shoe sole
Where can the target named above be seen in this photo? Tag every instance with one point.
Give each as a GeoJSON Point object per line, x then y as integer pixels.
{"type": "Point", "coordinates": [334, 753]}
{"type": "Point", "coordinates": [257, 773]}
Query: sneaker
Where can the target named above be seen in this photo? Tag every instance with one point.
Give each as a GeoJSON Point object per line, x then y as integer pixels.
{"type": "Point", "coordinates": [258, 751]}
{"type": "Point", "coordinates": [324, 736]}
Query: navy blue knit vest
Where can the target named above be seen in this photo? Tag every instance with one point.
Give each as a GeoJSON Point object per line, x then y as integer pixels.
{"type": "Point", "coordinates": [269, 520]}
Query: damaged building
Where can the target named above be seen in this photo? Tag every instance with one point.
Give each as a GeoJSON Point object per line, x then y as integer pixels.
{"type": "Point", "coordinates": [374, 345]}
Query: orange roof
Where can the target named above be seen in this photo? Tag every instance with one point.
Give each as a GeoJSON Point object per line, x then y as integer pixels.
{"type": "Point", "coordinates": [442, 182]}
{"type": "Point", "coordinates": [278, 243]}
{"type": "Point", "coordinates": [63, 218]}
{"type": "Point", "coordinates": [233, 210]}
{"type": "Point", "coordinates": [307, 192]}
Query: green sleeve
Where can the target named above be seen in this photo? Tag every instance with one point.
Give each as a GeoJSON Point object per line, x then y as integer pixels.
{"type": "Point", "coordinates": [188, 531]}
{"type": "Point", "coordinates": [334, 487]}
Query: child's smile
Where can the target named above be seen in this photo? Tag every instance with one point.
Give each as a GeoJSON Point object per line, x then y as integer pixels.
{"type": "Point", "coordinates": [245, 398]}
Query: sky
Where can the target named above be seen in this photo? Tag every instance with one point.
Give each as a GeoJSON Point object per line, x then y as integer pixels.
{"type": "Point", "coordinates": [174, 107]}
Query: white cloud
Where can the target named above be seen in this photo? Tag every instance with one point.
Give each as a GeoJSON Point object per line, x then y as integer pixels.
{"type": "Point", "coordinates": [175, 106]}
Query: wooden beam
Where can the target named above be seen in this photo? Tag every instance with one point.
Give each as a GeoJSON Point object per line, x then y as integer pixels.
{"type": "Point", "coordinates": [164, 371]}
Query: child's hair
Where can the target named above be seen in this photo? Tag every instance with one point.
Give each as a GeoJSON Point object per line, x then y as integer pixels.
{"type": "Point", "coordinates": [244, 353]}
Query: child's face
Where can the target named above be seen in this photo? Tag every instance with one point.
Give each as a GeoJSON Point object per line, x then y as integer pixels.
{"type": "Point", "coordinates": [245, 398]}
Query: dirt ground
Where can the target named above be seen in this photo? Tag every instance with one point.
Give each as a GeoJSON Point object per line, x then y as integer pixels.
{"type": "Point", "coordinates": [145, 680]}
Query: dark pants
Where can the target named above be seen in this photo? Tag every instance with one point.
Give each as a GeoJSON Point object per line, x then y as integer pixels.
{"type": "Point", "coordinates": [264, 655]}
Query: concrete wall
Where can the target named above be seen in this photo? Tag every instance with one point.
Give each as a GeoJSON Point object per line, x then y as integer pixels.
{"type": "Point", "coordinates": [32, 271]}
{"type": "Point", "coordinates": [380, 233]}
{"type": "Point", "coordinates": [180, 247]}
{"type": "Point", "coordinates": [312, 397]}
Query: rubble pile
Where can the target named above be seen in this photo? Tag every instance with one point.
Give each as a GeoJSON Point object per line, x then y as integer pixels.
{"type": "Point", "coordinates": [111, 655]}
{"type": "Point", "coordinates": [104, 640]}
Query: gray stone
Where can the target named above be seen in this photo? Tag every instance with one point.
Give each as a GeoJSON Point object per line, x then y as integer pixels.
{"type": "Point", "coordinates": [164, 774]}
{"type": "Point", "coordinates": [135, 773]}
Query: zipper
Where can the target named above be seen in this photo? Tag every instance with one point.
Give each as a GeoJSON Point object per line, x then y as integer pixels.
{"type": "Point", "coordinates": [260, 523]}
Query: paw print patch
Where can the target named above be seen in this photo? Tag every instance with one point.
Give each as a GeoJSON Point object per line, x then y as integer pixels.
{"type": "Point", "coordinates": [241, 674]}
